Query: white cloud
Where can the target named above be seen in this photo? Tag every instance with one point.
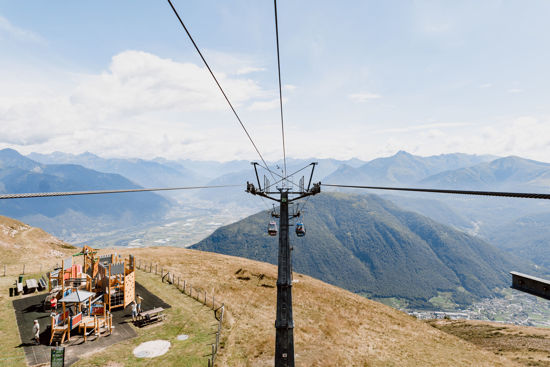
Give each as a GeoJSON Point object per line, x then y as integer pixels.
{"type": "Point", "coordinates": [248, 70]}
{"type": "Point", "coordinates": [515, 90]}
{"type": "Point", "coordinates": [363, 97]}
{"type": "Point", "coordinates": [289, 87]}
{"type": "Point", "coordinates": [143, 105]}
{"type": "Point", "coordinates": [20, 34]}
{"type": "Point", "coordinates": [265, 105]}
{"type": "Point", "coordinates": [408, 129]}
{"type": "Point", "coordinates": [437, 27]}
{"type": "Point", "coordinates": [486, 85]}
{"type": "Point", "coordinates": [139, 82]}
{"type": "Point", "coordinates": [526, 136]}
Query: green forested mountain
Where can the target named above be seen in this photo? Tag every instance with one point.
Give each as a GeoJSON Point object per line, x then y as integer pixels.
{"type": "Point", "coordinates": [368, 245]}
{"type": "Point", "coordinates": [526, 236]}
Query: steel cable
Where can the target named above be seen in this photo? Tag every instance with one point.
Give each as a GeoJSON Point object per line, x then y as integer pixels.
{"type": "Point", "coordinates": [446, 191]}
{"type": "Point", "coordinates": [219, 86]}
{"type": "Point", "coordinates": [280, 89]}
{"type": "Point", "coordinates": [100, 192]}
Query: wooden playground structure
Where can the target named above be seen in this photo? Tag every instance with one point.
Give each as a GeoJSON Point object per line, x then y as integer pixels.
{"type": "Point", "coordinates": [89, 292]}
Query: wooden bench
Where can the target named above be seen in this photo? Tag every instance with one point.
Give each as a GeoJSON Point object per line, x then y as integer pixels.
{"type": "Point", "coordinates": [151, 316]}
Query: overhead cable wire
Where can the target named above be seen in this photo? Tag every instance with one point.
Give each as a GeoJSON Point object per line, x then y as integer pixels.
{"type": "Point", "coordinates": [280, 89]}
{"type": "Point", "coordinates": [219, 86]}
{"type": "Point", "coordinates": [303, 204]}
{"type": "Point", "coordinates": [445, 191]}
{"type": "Point", "coordinates": [286, 178]}
{"type": "Point", "coordinates": [102, 192]}
{"type": "Point", "coordinates": [281, 178]}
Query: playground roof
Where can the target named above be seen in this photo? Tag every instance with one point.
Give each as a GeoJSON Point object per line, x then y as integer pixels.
{"type": "Point", "coordinates": [77, 297]}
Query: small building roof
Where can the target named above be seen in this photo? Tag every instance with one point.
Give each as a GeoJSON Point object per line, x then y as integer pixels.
{"type": "Point", "coordinates": [77, 297]}
{"type": "Point", "coordinates": [521, 275]}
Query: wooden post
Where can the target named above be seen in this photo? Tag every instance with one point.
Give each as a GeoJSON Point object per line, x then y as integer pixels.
{"type": "Point", "coordinates": [213, 351]}
{"type": "Point", "coordinates": [23, 269]}
{"type": "Point", "coordinates": [156, 266]}
{"type": "Point", "coordinates": [4, 269]}
{"type": "Point", "coordinates": [184, 286]}
{"type": "Point", "coordinates": [190, 290]}
{"type": "Point", "coordinates": [205, 298]}
{"type": "Point", "coordinates": [213, 302]}
{"type": "Point", "coordinates": [178, 282]}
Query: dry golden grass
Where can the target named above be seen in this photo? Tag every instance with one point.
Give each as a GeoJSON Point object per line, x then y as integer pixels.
{"type": "Point", "coordinates": [333, 327]}
{"type": "Point", "coordinates": [528, 346]}
{"type": "Point", "coordinates": [23, 244]}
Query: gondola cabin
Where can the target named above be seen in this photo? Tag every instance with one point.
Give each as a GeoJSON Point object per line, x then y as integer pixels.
{"type": "Point", "coordinates": [300, 229]}
{"type": "Point", "coordinates": [272, 228]}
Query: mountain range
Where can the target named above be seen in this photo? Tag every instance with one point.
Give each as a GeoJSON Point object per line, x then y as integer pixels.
{"type": "Point", "coordinates": [19, 174]}
{"type": "Point", "coordinates": [403, 168]}
{"type": "Point", "coordinates": [479, 216]}
{"type": "Point", "coordinates": [368, 245]}
{"type": "Point", "coordinates": [503, 173]}
{"type": "Point", "coordinates": [147, 173]}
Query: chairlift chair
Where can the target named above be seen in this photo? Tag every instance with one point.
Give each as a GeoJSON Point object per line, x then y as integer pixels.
{"type": "Point", "coordinates": [272, 228]}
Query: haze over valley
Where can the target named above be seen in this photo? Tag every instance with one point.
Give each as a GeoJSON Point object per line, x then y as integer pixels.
{"type": "Point", "coordinates": [388, 240]}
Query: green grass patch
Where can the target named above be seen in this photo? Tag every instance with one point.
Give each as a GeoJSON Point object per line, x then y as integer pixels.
{"type": "Point", "coordinates": [443, 301]}
{"type": "Point", "coordinates": [186, 316]}
{"type": "Point", "coordinates": [11, 355]}
{"type": "Point", "coordinates": [397, 303]}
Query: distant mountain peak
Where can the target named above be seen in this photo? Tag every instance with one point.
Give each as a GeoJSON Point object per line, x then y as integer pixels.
{"type": "Point", "coordinates": [403, 153]}
{"type": "Point", "coordinates": [7, 152]}
{"type": "Point", "coordinates": [12, 158]}
{"type": "Point", "coordinates": [87, 154]}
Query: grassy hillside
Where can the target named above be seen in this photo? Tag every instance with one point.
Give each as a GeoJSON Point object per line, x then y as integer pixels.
{"type": "Point", "coordinates": [21, 243]}
{"type": "Point", "coordinates": [333, 327]}
{"type": "Point", "coordinates": [368, 245]}
{"type": "Point", "coordinates": [527, 346]}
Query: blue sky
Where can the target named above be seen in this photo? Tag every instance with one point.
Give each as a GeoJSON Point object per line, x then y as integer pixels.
{"type": "Point", "coordinates": [362, 78]}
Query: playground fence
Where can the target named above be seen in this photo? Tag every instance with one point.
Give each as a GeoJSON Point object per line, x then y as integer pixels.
{"type": "Point", "coordinates": [178, 281]}
{"type": "Point", "coordinates": [196, 293]}
{"type": "Point", "coordinates": [22, 269]}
